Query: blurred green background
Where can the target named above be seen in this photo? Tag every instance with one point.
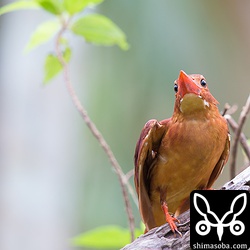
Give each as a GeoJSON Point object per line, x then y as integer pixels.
{"type": "Point", "coordinates": [55, 180]}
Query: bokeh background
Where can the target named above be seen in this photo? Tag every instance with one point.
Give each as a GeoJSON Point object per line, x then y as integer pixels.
{"type": "Point", "coordinates": [55, 180]}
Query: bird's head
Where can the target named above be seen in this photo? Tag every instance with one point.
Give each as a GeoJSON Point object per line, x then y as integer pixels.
{"type": "Point", "coordinates": [192, 94]}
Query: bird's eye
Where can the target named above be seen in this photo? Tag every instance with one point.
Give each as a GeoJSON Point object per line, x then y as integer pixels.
{"type": "Point", "coordinates": [203, 83]}
{"type": "Point", "coordinates": [176, 88]}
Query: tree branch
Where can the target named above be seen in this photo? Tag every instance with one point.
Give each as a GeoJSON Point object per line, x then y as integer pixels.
{"type": "Point", "coordinates": [96, 133]}
{"type": "Point", "coordinates": [243, 140]}
{"type": "Point", "coordinates": [163, 238]}
{"type": "Point", "coordinates": [242, 119]}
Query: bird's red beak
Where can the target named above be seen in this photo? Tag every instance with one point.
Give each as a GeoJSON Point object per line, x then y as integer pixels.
{"type": "Point", "coordinates": [186, 85]}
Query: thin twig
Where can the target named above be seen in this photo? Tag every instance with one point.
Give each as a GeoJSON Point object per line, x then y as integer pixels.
{"type": "Point", "coordinates": [129, 174]}
{"type": "Point", "coordinates": [242, 119]}
{"type": "Point", "coordinates": [229, 110]}
{"type": "Point", "coordinates": [243, 140]}
{"type": "Point", "coordinates": [121, 176]}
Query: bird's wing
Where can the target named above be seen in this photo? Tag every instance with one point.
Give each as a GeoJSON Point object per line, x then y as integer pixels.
{"type": "Point", "coordinates": [220, 164]}
{"type": "Point", "coordinates": [145, 156]}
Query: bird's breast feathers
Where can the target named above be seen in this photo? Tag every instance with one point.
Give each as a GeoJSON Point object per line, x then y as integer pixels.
{"type": "Point", "coordinates": [188, 154]}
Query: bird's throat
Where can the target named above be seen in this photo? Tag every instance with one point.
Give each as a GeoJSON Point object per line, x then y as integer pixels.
{"type": "Point", "coordinates": [191, 103]}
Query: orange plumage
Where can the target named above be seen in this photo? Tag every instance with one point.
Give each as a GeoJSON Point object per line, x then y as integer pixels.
{"type": "Point", "coordinates": [180, 154]}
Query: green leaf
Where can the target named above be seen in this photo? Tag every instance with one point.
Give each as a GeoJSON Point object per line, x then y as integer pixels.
{"type": "Point", "coordinates": [103, 237]}
{"type": "Point", "coordinates": [64, 41]}
{"type": "Point", "coordinates": [52, 6]}
{"type": "Point", "coordinates": [53, 66]}
{"type": "Point", "coordinates": [110, 236]}
{"type": "Point", "coordinates": [100, 30]}
{"type": "Point", "coordinates": [76, 6]}
{"type": "Point", "coordinates": [19, 5]}
{"type": "Point", "coordinates": [43, 33]}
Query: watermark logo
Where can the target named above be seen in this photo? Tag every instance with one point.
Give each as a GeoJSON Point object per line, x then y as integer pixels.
{"type": "Point", "coordinates": [203, 227]}
{"type": "Point", "coordinates": [219, 218]}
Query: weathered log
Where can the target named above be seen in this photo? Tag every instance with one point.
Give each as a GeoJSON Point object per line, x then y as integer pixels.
{"type": "Point", "coordinates": [163, 238]}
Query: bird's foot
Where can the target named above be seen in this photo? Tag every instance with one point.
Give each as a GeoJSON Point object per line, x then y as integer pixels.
{"type": "Point", "coordinates": [170, 219]}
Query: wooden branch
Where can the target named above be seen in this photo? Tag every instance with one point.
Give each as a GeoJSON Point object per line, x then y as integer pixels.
{"type": "Point", "coordinates": [243, 115]}
{"type": "Point", "coordinates": [243, 140]}
{"type": "Point", "coordinates": [163, 238]}
{"type": "Point", "coordinates": [125, 185]}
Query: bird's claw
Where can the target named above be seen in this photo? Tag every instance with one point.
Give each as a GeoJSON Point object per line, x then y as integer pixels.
{"type": "Point", "coordinates": [177, 231]}
{"type": "Point", "coordinates": [170, 219]}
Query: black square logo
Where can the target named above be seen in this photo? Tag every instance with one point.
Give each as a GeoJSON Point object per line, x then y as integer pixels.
{"type": "Point", "coordinates": [220, 219]}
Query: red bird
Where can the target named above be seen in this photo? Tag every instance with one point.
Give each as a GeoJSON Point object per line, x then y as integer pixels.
{"type": "Point", "coordinates": [180, 154]}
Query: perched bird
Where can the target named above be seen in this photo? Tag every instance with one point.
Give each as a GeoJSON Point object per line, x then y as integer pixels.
{"type": "Point", "coordinates": [180, 154]}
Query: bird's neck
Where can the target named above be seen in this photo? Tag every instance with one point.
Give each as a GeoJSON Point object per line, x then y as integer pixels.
{"type": "Point", "coordinates": [208, 112]}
